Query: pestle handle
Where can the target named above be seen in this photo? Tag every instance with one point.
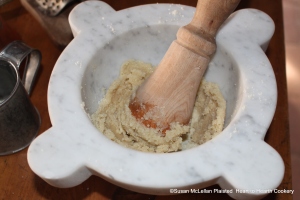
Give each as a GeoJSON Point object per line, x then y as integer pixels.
{"type": "Point", "coordinates": [169, 94]}
{"type": "Point", "coordinates": [210, 14]}
{"type": "Point", "coordinates": [199, 34]}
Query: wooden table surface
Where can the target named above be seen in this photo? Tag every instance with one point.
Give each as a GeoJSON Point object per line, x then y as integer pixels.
{"type": "Point", "coordinates": [17, 181]}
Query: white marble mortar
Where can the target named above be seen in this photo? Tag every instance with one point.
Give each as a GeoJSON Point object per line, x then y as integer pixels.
{"type": "Point", "coordinates": [238, 158]}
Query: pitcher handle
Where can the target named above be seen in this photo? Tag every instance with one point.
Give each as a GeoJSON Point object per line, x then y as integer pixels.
{"type": "Point", "coordinates": [16, 52]}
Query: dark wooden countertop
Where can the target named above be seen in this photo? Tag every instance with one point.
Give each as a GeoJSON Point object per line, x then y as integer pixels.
{"type": "Point", "coordinates": [17, 181]}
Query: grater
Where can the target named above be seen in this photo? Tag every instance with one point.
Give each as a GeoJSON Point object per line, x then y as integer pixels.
{"type": "Point", "coordinates": [52, 7]}
{"type": "Point", "coordinates": [2, 2]}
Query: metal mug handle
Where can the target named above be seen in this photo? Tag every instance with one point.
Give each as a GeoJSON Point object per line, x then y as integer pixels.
{"type": "Point", "coordinates": [16, 52]}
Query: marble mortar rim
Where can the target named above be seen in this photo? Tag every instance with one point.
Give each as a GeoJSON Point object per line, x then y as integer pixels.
{"type": "Point", "coordinates": [81, 168]}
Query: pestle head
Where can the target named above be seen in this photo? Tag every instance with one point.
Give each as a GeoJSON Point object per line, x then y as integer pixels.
{"type": "Point", "coordinates": [169, 94]}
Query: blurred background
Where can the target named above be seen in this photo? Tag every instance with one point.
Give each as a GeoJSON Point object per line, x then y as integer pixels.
{"type": "Point", "coordinates": [291, 13]}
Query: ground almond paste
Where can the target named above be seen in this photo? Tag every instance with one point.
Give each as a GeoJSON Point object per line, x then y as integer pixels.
{"type": "Point", "coordinates": [114, 119]}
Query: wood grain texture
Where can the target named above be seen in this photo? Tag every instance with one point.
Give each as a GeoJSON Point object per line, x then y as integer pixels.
{"type": "Point", "coordinates": [17, 181]}
{"type": "Point", "coordinates": [169, 94]}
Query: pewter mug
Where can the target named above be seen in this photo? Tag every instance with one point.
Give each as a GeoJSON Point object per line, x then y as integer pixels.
{"type": "Point", "coordinates": [19, 119]}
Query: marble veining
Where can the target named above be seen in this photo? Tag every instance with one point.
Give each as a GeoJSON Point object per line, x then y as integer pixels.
{"type": "Point", "coordinates": [238, 158]}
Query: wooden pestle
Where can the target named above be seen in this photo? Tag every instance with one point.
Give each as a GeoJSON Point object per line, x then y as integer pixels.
{"type": "Point", "coordinates": [169, 94]}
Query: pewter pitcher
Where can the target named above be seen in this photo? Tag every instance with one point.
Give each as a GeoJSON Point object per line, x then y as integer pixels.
{"type": "Point", "coordinates": [19, 119]}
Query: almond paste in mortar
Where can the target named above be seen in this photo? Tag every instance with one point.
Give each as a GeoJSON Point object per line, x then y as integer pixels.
{"type": "Point", "coordinates": [114, 119]}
